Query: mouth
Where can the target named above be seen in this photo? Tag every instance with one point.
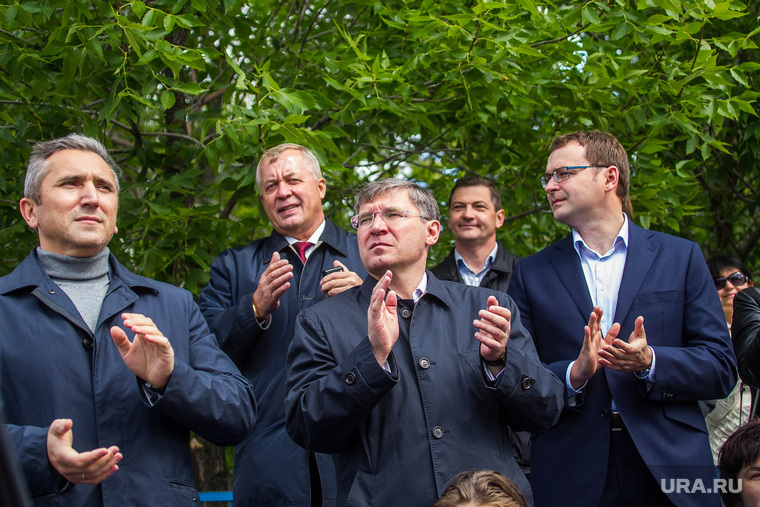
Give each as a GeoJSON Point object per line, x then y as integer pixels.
{"type": "Point", "coordinates": [287, 209]}
{"type": "Point", "coordinates": [88, 220]}
{"type": "Point", "coordinates": [379, 245]}
{"type": "Point", "coordinates": [554, 202]}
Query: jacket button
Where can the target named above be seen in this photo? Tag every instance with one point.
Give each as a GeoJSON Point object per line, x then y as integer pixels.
{"type": "Point", "coordinates": [527, 383]}
{"type": "Point", "coordinates": [51, 291]}
{"type": "Point", "coordinates": [405, 312]}
{"type": "Point", "coordinates": [424, 363]}
{"type": "Point", "coordinates": [87, 343]}
{"type": "Point", "coordinates": [350, 378]}
{"type": "Point", "coordinates": [438, 432]}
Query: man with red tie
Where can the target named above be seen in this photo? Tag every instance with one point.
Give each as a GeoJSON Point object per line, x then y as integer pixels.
{"type": "Point", "coordinates": [251, 303]}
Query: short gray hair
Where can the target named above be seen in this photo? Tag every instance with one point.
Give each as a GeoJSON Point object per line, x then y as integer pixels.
{"type": "Point", "coordinates": [272, 154]}
{"type": "Point", "coordinates": [421, 198]}
{"type": "Point", "coordinates": [38, 165]}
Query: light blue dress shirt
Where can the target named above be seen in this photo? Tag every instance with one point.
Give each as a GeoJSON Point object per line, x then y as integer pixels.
{"type": "Point", "coordinates": [603, 275]}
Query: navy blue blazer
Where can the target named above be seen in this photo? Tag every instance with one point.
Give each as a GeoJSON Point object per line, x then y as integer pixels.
{"type": "Point", "coordinates": [270, 469]}
{"type": "Point", "coordinates": [665, 280]}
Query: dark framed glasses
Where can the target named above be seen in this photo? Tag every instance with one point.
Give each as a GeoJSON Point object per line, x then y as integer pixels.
{"type": "Point", "coordinates": [563, 173]}
{"type": "Point", "coordinates": [736, 280]}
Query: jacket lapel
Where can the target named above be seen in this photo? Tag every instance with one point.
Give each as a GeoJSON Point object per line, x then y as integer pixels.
{"type": "Point", "coordinates": [567, 266]}
{"type": "Point", "coordinates": [641, 255]}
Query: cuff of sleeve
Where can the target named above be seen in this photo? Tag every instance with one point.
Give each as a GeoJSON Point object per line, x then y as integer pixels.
{"type": "Point", "coordinates": [648, 374]}
{"type": "Point", "coordinates": [573, 395]}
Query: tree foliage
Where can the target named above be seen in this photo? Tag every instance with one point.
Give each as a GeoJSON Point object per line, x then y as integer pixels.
{"type": "Point", "coordinates": [187, 94]}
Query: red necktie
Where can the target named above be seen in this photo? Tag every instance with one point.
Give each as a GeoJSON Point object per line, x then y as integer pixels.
{"type": "Point", "coordinates": [301, 247]}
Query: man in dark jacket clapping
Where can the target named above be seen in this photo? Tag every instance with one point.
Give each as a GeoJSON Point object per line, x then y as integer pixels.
{"type": "Point", "coordinates": [407, 379]}
{"type": "Point", "coordinates": [251, 303]}
{"type": "Point", "coordinates": [104, 373]}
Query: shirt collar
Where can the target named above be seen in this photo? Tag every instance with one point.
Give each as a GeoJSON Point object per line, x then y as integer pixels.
{"type": "Point", "coordinates": [622, 235]}
{"type": "Point", "coordinates": [313, 239]}
{"type": "Point", "coordinates": [421, 288]}
{"type": "Point", "coordinates": [489, 260]}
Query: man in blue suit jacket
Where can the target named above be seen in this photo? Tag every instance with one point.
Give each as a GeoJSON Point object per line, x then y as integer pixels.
{"type": "Point", "coordinates": [629, 318]}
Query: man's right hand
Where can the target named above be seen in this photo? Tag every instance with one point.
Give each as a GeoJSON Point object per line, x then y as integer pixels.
{"type": "Point", "coordinates": [382, 327]}
{"type": "Point", "coordinates": [587, 363]}
{"type": "Point", "coordinates": [274, 282]}
{"type": "Point", "coordinates": [91, 467]}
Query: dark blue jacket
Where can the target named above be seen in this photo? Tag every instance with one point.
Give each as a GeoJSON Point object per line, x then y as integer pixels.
{"type": "Point", "coordinates": [54, 367]}
{"type": "Point", "coordinates": [399, 438]}
{"type": "Point", "coordinates": [270, 469]}
{"type": "Point", "coordinates": [665, 280]}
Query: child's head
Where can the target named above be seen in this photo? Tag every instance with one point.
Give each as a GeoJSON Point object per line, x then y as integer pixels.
{"type": "Point", "coordinates": [739, 459]}
{"type": "Point", "coordinates": [481, 488]}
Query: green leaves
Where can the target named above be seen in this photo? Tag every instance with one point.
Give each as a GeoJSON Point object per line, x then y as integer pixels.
{"type": "Point", "coordinates": [188, 94]}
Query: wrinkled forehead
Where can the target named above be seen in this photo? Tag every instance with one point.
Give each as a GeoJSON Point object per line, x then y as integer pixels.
{"type": "Point", "coordinates": [393, 198]}
{"type": "Point", "coordinates": [78, 164]}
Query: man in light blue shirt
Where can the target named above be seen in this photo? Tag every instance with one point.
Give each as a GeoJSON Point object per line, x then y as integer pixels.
{"type": "Point", "coordinates": [477, 259]}
{"type": "Point", "coordinates": [631, 320]}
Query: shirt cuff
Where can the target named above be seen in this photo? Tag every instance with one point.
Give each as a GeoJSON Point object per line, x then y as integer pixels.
{"type": "Point", "coordinates": [571, 391]}
{"type": "Point", "coordinates": [648, 374]}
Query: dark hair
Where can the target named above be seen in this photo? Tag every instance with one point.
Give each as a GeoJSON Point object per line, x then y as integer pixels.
{"type": "Point", "coordinates": [742, 448]}
{"type": "Point", "coordinates": [477, 181]}
{"type": "Point", "coordinates": [718, 263]}
{"type": "Point", "coordinates": [601, 149]}
{"type": "Point", "coordinates": [486, 487]}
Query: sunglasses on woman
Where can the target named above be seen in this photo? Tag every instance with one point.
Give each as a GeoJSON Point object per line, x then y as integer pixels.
{"type": "Point", "coordinates": [736, 280]}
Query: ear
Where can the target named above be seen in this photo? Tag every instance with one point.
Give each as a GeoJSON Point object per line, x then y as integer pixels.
{"type": "Point", "coordinates": [499, 218]}
{"type": "Point", "coordinates": [611, 178]}
{"type": "Point", "coordinates": [432, 232]}
{"type": "Point", "coordinates": [28, 211]}
{"type": "Point", "coordinates": [322, 188]}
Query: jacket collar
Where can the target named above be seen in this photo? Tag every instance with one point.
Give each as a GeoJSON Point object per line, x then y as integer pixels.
{"type": "Point", "coordinates": [435, 288]}
{"type": "Point", "coordinates": [332, 236]}
{"type": "Point", "coordinates": [30, 275]}
{"type": "Point", "coordinates": [500, 263]}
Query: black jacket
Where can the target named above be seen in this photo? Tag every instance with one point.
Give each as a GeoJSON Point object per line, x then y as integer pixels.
{"type": "Point", "coordinates": [744, 330]}
{"type": "Point", "coordinates": [497, 277]}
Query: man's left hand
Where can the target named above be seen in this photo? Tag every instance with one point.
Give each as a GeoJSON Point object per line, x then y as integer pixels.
{"type": "Point", "coordinates": [493, 329]}
{"type": "Point", "coordinates": [150, 356]}
{"type": "Point", "coordinates": [335, 283]}
{"type": "Point", "coordinates": [633, 356]}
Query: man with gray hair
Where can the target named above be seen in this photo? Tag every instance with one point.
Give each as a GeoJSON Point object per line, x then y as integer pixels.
{"type": "Point", "coordinates": [79, 394]}
{"type": "Point", "coordinates": [251, 303]}
{"type": "Point", "coordinates": [397, 379]}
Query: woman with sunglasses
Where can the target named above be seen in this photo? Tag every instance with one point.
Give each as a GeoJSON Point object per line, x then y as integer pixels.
{"type": "Point", "coordinates": [730, 276]}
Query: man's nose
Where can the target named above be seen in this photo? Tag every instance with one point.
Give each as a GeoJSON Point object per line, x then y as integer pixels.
{"type": "Point", "coordinates": [89, 194]}
{"type": "Point", "coordinates": [551, 186]}
{"type": "Point", "coordinates": [283, 189]}
{"type": "Point", "coordinates": [378, 224]}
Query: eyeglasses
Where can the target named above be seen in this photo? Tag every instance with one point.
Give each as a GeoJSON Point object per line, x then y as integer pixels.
{"type": "Point", "coordinates": [563, 173]}
{"type": "Point", "coordinates": [389, 215]}
{"type": "Point", "coordinates": [736, 280]}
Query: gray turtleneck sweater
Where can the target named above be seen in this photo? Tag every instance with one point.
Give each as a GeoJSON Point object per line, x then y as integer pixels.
{"type": "Point", "coordinates": [84, 279]}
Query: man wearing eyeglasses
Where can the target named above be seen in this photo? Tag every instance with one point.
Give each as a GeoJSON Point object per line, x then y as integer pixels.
{"type": "Point", "coordinates": [251, 303]}
{"type": "Point", "coordinates": [410, 380]}
{"type": "Point", "coordinates": [629, 318]}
